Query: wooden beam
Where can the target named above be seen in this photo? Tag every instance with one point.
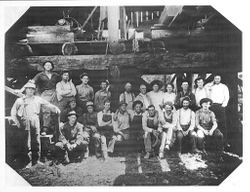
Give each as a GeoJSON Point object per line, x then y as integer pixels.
{"type": "Point", "coordinates": [90, 15]}
{"type": "Point", "coordinates": [123, 26]}
{"type": "Point", "coordinates": [113, 23]}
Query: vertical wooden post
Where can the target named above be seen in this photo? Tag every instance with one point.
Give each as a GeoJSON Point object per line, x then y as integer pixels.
{"type": "Point", "coordinates": [137, 19]}
{"type": "Point", "coordinates": [113, 23]}
{"type": "Point", "coordinates": [123, 22]}
{"type": "Point", "coordinates": [132, 18]}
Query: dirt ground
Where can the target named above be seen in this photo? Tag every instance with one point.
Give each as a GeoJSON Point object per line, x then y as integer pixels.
{"type": "Point", "coordinates": [131, 169]}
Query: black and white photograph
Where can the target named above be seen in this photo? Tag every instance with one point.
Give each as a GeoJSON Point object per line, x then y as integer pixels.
{"type": "Point", "coordinates": [123, 95]}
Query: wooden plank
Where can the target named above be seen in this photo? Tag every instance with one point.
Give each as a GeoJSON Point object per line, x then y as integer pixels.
{"type": "Point", "coordinates": [52, 37]}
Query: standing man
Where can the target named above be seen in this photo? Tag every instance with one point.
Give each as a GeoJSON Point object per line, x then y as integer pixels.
{"type": "Point", "coordinates": [105, 128]}
{"type": "Point", "coordinates": [85, 92]}
{"type": "Point", "coordinates": [65, 90]}
{"type": "Point", "coordinates": [46, 87]}
{"type": "Point", "coordinates": [150, 123]}
{"type": "Point", "coordinates": [156, 95]}
{"type": "Point", "coordinates": [186, 125]}
{"type": "Point", "coordinates": [200, 92]}
{"type": "Point", "coordinates": [219, 94]}
{"type": "Point", "coordinates": [121, 125]}
{"type": "Point", "coordinates": [127, 96]}
{"type": "Point", "coordinates": [207, 127]}
{"type": "Point", "coordinates": [25, 113]}
{"type": "Point", "coordinates": [167, 122]}
{"type": "Point", "coordinates": [73, 141]}
{"type": "Point", "coordinates": [102, 95]}
{"type": "Point", "coordinates": [185, 92]}
{"type": "Point", "coordinates": [89, 121]}
{"type": "Point", "coordinates": [143, 97]}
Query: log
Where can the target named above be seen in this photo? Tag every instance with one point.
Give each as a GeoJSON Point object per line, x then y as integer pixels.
{"type": "Point", "coordinates": [69, 49]}
{"type": "Point", "coordinates": [143, 61]}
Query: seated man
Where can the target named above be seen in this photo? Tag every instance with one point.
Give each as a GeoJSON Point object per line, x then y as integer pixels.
{"type": "Point", "coordinates": [167, 122]}
{"type": "Point", "coordinates": [186, 125]}
{"type": "Point", "coordinates": [71, 107]}
{"type": "Point", "coordinates": [121, 125]}
{"type": "Point", "coordinates": [150, 122]}
{"type": "Point", "coordinates": [89, 121]}
{"type": "Point", "coordinates": [136, 131]}
{"type": "Point", "coordinates": [105, 128]}
{"type": "Point", "coordinates": [73, 141]}
{"type": "Point", "coordinates": [207, 126]}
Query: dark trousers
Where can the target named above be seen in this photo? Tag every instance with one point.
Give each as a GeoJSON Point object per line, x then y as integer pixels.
{"type": "Point", "coordinates": [191, 138]}
{"type": "Point", "coordinates": [217, 140]}
{"type": "Point", "coordinates": [220, 114]}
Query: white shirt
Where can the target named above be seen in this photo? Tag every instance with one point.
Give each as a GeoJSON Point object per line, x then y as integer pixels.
{"type": "Point", "coordinates": [184, 117]}
{"type": "Point", "coordinates": [200, 94]}
{"type": "Point", "coordinates": [219, 93]}
{"type": "Point", "coordinates": [168, 97]}
{"type": "Point", "coordinates": [156, 99]}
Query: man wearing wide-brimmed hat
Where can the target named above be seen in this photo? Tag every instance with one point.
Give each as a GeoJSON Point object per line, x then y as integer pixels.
{"type": "Point", "coordinates": [72, 141]}
{"type": "Point", "coordinates": [25, 113]}
{"type": "Point", "coordinates": [207, 126]}
{"type": "Point", "coordinates": [156, 95]}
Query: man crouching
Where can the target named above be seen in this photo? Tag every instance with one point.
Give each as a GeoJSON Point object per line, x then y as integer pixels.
{"type": "Point", "coordinates": [73, 141]}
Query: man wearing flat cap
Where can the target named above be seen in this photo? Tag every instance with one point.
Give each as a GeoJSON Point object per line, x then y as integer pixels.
{"type": "Point", "coordinates": [25, 113]}
{"type": "Point", "coordinates": [127, 96]}
{"type": "Point", "coordinates": [73, 141]}
{"type": "Point", "coordinates": [185, 126]}
{"type": "Point", "coordinates": [156, 95]}
{"type": "Point", "coordinates": [208, 127]}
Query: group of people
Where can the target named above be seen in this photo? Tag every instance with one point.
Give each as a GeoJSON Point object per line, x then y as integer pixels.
{"type": "Point", "coordinates": [153, 120]}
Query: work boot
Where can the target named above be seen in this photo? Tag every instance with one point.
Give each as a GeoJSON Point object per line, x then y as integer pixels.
{"type": "Point", "coordinates": [147, 156]}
